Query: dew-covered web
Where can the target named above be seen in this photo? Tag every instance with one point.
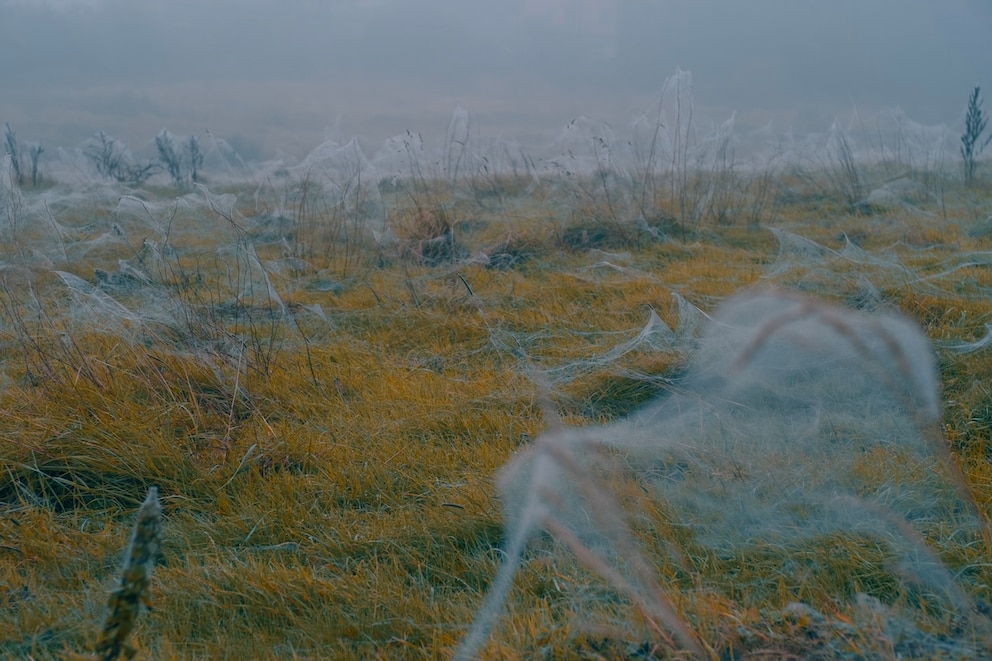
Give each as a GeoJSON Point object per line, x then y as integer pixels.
{"type": "Point", "coordinates": [861, 275]}
{"type": "Point", "coordinates": [654, 337]}
{"type": "Point", "coordinates": [159, 271]}
{"type": "Point", "coordinates": [805, 264]}
{"type": "Point", "coordinates": [796, 419]}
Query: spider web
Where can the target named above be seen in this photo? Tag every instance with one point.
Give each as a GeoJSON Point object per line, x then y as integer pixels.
{"type": "Point", "coordinates": [797, 418]}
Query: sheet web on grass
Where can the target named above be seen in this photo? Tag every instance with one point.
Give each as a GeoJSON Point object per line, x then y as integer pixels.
{"type": "Point", "coordinates": [861, 275]}
{"type": "Point", "coordinates": [797, 419]}
{"type": "Point", "coordinates": [654, 337]}
{"type": "Point", "coordinates": [162, 275]}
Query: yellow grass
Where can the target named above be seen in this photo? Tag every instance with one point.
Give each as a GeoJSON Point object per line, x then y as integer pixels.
{"type": "Point", "coordinates": [327, 489]}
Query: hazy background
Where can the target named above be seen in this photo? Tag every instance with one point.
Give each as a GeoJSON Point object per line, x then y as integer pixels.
{"type": "Point", "coordinates": [277, 77]}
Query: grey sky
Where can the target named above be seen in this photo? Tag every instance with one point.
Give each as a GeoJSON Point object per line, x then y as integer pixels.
{"type": "Point", "coordinates": [276, 75]}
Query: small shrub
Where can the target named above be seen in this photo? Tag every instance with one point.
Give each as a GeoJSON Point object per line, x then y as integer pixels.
{"type": "Point", "coordinates": [114, 161]}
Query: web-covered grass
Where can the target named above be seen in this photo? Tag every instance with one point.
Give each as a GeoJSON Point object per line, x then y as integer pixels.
{"type": "Point", "coordinates": [360, 403]}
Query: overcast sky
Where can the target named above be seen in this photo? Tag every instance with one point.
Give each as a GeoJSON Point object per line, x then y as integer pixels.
{"type": "Point", "coordinates": [281, 75]}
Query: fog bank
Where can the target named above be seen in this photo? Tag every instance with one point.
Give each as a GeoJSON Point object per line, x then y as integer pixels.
{"type": "Point", "coordinates": [277, 78]}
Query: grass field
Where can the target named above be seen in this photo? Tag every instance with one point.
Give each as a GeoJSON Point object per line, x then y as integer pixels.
{"type": "Point", "coordinates": [323, 397]}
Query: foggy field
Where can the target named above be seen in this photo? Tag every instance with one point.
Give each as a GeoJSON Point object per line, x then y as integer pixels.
{"type": "Point", "coordinates": [461, 329]}
{"type": "Point", "coordinates": [666, 393]}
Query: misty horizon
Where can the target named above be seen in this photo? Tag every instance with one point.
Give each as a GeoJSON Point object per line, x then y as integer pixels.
{"type": "Point", "coordinates": [276, 80]}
